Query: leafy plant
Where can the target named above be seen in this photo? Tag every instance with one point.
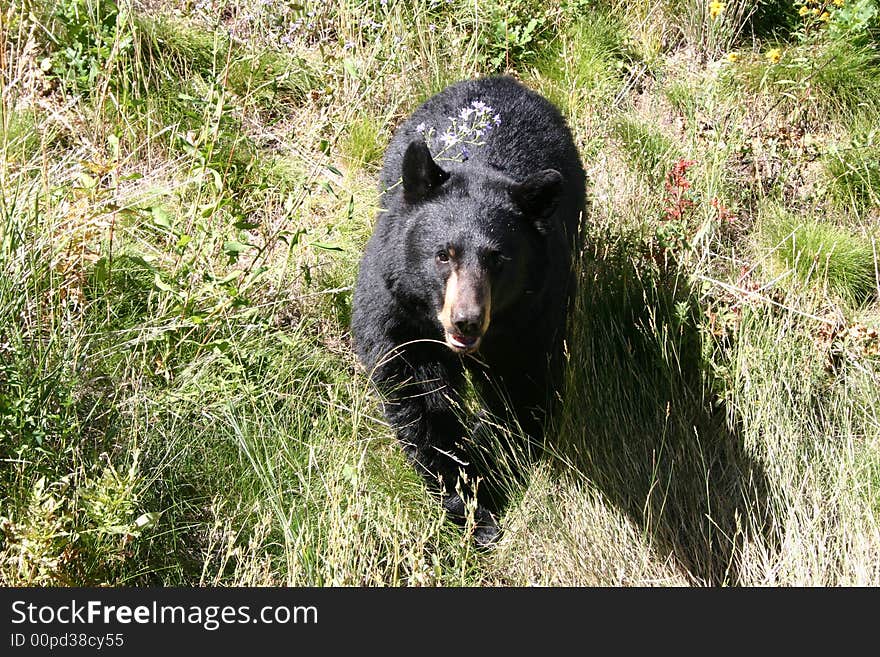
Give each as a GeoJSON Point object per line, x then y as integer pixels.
{"type": "Point", "coordinates": [91, 34]}
{"type": "Point", "coordinates": [514, 32]}
{"type": "Point", "coordinates": [853, 19]}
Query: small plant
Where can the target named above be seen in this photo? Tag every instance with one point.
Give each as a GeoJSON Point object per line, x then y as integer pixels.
{"type": "Point", "coordinates": [815, 15]}
{"type": "Point", "coordinates": [69, 536]}
{"type": "Point", "coordinates": [515, 31]}
{"type": "Point", "coordinates": [678, 202]}
{"type": "Point", "coordinates": [37, 544]}
{"type": "Point", "coordinates": [466, 130]}
{"type": "Point", "coordinates": [90, 36]}
{"type": "Point", "coordinates": [852, 19]}
{"type": "Point", "coordinates": [839, 19]}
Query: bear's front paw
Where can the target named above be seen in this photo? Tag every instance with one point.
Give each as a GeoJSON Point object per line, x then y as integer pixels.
{"type": "Point", "coordinates": [486, 530]}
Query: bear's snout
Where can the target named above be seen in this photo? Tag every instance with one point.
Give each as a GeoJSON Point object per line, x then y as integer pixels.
{"type": "Point", "coordinates": [466, 310]}
{"type": "Point", "coordinates": [468, 320]}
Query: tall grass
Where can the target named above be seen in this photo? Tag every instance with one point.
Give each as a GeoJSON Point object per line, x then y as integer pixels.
{"type": "Point", "coordinates": [186, 190]}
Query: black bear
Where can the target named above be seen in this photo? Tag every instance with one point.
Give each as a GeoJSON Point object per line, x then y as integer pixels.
{"type": "Point", "coordinates": [470, 268]}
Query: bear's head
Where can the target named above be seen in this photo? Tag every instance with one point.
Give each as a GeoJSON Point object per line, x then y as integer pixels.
{"type": "Point", "coordinates": [476, 239]}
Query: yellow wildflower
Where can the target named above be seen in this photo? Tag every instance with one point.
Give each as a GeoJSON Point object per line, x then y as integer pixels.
{"type": "Point", "coordinates": [804, 10]}
{"type": "Point", "coordinates": [732, 57]}
{"type": "Point", "coordinates": [814, 11]}
{"type": "Point", "coordinates": [838, 3]}
{"type": "Point", "coordinates": [825, 17]}
{"type": "Point", "coordinates": [715, 9]}
{"type": "Point", "coordinates": [774, 55]}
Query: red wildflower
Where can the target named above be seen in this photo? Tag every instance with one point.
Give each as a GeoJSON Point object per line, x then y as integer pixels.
{"type": "Point", "coordinates": [724, 215]}
{"type": "Point", "coordinates": [676, 186]}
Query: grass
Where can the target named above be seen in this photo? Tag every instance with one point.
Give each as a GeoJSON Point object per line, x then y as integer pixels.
{"type": "Point", "coordinates": [813, 75]}
{"type": "Point", "coordinates": [854, 169]}
{"type": "Point", "coordinates": [582, 67]}
{"type": "Point", "coordinates": [186, 191]}
{"type": "Point", "coordinates": [364, 145]}
{"type": "Point", "coordinates": [645, 149]}
{"type": "Point", "coordinates": [821, 253]}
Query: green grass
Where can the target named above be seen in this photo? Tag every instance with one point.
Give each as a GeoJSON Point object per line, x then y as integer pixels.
{"type": "Point", "coordinates": [645, 148]}
{"type": "Point", "coordinates": [583, 68]}
{"type": "Point", "coordinates": [809, 425]}
{"type": "Point", "coordinates": [854, 169]}
{"type": "Point", "coordinates": [821, 253]}
{"type": "Point", "coordinates": [660, 448]}
{"type": "Point", "coordinates": [185, 198]}
{"type": "Point", "coordinates": [365, 143]}
{"type": "Point", "coordinates": [815, 77]}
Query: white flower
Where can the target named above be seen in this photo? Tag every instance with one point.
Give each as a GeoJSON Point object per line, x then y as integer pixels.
{"type": "Point", "coordinates": [420, 127]}
{"type": "Point", "coordinates": [448, 139]}
{"type": "Point", "coordinates": [465, 113]}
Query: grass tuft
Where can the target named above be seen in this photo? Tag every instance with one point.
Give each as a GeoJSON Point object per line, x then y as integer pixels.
{"type": "Point", "coordinates": [822, 253]}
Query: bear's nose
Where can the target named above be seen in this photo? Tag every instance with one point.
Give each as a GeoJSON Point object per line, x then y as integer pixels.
{"type": "Point", "coordinates": [468, 322]}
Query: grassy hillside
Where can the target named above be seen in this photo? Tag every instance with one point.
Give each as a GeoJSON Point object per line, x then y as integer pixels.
{"type": "Point", "coordinates": [187, 187]}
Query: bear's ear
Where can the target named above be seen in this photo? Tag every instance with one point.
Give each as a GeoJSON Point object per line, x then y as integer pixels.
{"type": "Point", "coordinates": [538, 195]}
{"type": "Point", "coordinates": [421, 175]}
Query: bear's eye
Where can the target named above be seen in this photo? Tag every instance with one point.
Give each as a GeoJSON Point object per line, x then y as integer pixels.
{"type": "Point", "coordinates": [442, 256]}
{"type": "Point", "coordinates": [497, 259]}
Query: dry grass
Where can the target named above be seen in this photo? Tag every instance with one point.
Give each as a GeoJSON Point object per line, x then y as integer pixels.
{"type": "Point", "coordinates": [179, 235]}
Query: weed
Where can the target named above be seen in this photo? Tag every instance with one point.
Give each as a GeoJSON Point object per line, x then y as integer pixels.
{"type": "Point", "coordinates": [92, 35]}
{"type": "Point", "coordinates": [515, 32]}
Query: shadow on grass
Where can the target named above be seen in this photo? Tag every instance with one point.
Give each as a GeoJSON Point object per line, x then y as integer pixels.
{"type": "Point", "coordinates": [640, 421]}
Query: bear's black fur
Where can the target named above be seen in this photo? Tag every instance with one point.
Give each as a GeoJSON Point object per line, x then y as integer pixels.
{"type": "Point", "coordinates": [470, 266]}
